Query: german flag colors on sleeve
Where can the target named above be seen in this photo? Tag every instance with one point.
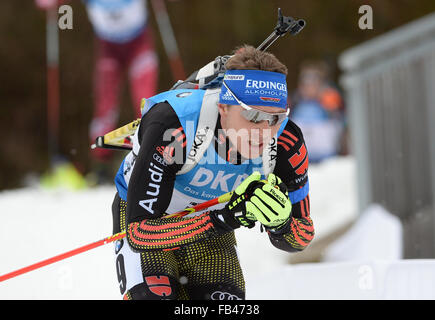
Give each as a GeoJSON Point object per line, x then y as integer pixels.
{"type": "Point", "coordinates": [298, 232]}
{"type": "Point", "coordinates": [169, 233]}
{"type": "Point", "coordinates": [301, 233]}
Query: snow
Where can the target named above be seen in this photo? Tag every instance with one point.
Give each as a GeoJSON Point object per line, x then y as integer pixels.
{"type": "Point", "coordinates": [373, 279]}
{"type": "Point", "coordinates": [377, 234]}
{"type": "Point", "coordinates": [38, 224]}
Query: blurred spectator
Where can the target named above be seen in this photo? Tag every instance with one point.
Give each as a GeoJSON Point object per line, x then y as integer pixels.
{"type": "Point", "coordinates": [124, 46]}
{"type": "Point", "coordinates": [318, 109]}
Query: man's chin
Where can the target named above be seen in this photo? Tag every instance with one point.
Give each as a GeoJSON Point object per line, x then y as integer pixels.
{"type": "Point", "coordinates": [254, 151]}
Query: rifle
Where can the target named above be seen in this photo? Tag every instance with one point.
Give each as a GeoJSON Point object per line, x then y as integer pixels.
{"type": "Point", "coordinates": [209, 76]}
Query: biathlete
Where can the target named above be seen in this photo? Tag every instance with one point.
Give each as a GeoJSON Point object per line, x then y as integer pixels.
{"type": "Point", "coordinates": [124, 47]}
{"type": "Point", "coordinates": [193, 145]}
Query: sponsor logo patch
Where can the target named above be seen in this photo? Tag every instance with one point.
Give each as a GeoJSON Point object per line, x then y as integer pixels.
{"type": "Point", "coordinates": [269, 99]}
{"type": "Point", "coordinates": [234, 77]}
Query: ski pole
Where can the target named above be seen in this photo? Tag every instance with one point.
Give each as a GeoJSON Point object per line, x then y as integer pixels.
{"type": "Point", "coordinates": [61, 256]}
{"type": "Point", "coordinates": [168, 38]}
{"type": "Point", "coordinates": [53, 104]}
{"type": "Point", "coordinates": [117, 139]}
{"type": "Point", "coordinates": [221, 199]}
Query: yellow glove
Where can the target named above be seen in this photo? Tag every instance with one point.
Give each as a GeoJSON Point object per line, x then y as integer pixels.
{"type": "Point", "coordinates": [269, 203]}
{"type": "Point", "coordinates": [233, 215]}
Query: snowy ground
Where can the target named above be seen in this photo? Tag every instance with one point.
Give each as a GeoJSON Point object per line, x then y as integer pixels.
{"type": "Point", "coordinates": [38, 224]}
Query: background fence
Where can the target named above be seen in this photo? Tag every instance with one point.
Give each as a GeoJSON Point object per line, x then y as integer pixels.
{"type": "Point", "coordinates": [389, 84]}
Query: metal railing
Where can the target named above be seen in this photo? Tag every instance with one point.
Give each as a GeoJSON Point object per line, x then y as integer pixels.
{"type": "Point", "coordinates": [389, 85]}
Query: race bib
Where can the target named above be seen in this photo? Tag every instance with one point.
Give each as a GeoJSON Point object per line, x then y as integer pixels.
{"type": "Point", "coordinates": [117, 20]}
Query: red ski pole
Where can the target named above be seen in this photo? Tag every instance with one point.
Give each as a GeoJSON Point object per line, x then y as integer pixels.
{"type": "Point", "coordinates": [61, 256]}
{"type": "Point", "coordinates": [222, 199]}
{"type": "Point", "coordinates": [53, 100]}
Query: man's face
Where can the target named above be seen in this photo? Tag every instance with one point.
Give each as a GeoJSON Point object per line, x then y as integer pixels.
{"type": "Point", "coordinates": [249, 138]}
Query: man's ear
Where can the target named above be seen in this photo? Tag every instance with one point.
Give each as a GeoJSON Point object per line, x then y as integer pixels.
{"type": "Point", "coordinates": [223, 112]}
{"type": "Point", "coordinates": [223, 109]}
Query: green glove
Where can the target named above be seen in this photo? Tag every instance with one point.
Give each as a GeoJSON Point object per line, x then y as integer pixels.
{"type": "Point", "coordinates": [269, 203]}
{"type": "Point", "coordinates": [233, 215]}
{"type": "Point", "coordinates": [240, 193]}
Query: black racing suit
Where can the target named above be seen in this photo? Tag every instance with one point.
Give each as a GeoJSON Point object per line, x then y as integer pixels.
{"type": "Point", "coordinates": [204, 263]}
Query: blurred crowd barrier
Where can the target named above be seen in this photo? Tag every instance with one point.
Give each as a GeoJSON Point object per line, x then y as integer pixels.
{"type": "Point", "coordinates": [389, 86]}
